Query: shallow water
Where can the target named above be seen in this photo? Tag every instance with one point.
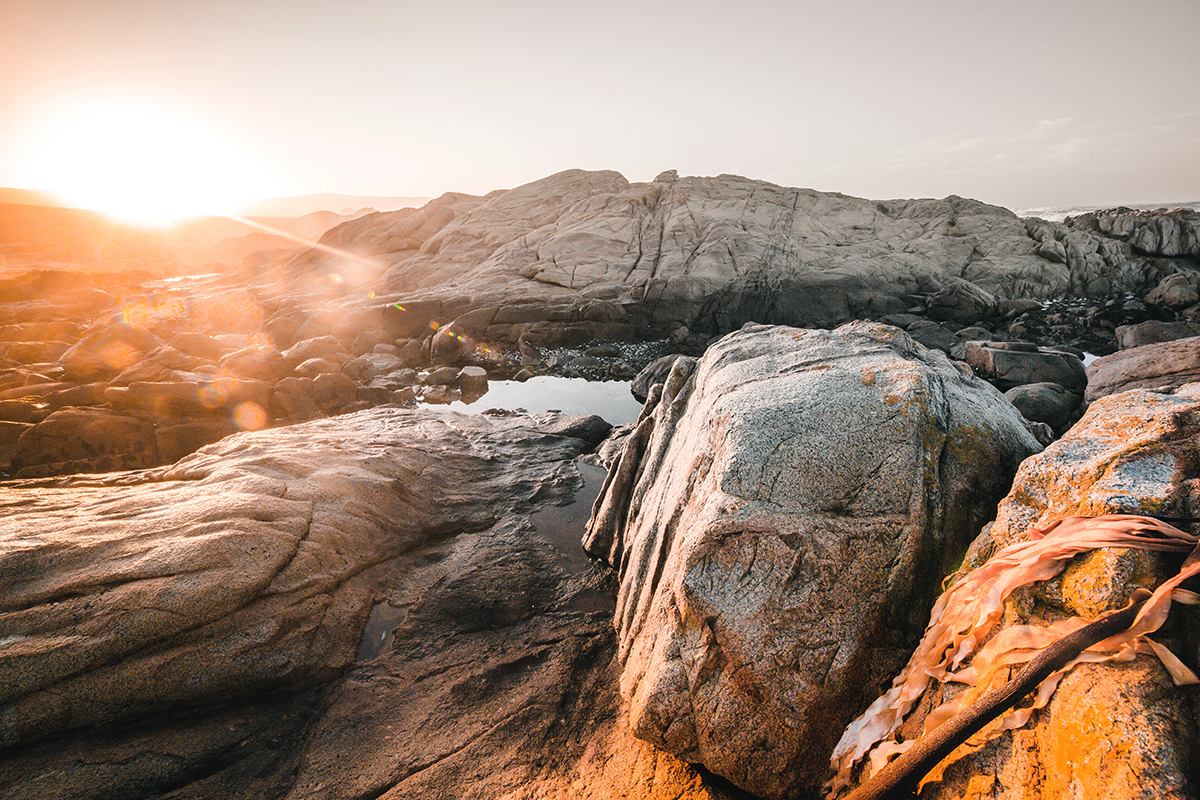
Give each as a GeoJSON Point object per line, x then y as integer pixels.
{"type": "Point", "coordinates": [563, 526]}
{"type": "Point", "coordinates": [610, 400]}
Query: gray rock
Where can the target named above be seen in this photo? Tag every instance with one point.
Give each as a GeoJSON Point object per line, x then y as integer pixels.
{"type": "Point", "coordinates": [1009, 364]}
{"type": "Point", "coordinates": [1046, 402]}
{"type": "Point", "coordinates": [778, 508]}
{"type": "Point", "coordinates": [1177, 291]}
{"type": "Point", "coordinates": [933, 335]}
{"type": "Point", "coordinates": [1154, 331]}
{"type": "Point", "coordinates": [654, 372]}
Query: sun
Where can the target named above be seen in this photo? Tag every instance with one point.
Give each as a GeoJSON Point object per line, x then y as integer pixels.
{"type": "Point", "coordinates": [137, 161]}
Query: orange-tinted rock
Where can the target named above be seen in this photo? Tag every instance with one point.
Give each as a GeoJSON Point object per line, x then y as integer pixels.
{"type": "Point", "coordinates": [77, 436]}
{"type": "Point", "coordinates": [1117, 729]}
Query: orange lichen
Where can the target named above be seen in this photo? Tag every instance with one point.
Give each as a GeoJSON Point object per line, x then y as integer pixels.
{"type": "Point", "coordinates": [966, 613]}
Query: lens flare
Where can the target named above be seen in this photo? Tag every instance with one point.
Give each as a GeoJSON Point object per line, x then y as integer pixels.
{"type": "Point", "coordinates": [249, 416]}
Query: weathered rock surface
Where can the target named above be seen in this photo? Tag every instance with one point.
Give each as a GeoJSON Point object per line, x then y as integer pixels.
{"type": "Point", "coordinates": [1161, 232]}
{"type": "Point", "coordinates": [1153, 331]}
{"type": "Point", "coordinates": [1116, 729]}
{"type": "Point", "coordinates": [1046, 402]}
{"type": "Point", "coordinates": [782, 510]}
{"type": "Point", "coordinates": [705, 255]}
{"type": "Point", "coordinates": [1164, 365]}
{"type": "Point", "coordinates": [196, 631]}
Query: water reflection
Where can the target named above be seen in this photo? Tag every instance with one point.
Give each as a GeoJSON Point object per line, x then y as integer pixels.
{"type": "Point", "coordinates": [608, 399]}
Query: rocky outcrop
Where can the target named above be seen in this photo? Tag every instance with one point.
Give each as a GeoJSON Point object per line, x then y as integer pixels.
{"type": "Point", "coordinates": [704, 254]}
{"type": "Point", "coordinates": [1161, 232]}
{"type": "Point", "coordinates": [783, 506]}
{"type": "Point", "coordinates": [1114, 729]}
{"type": "Point", "coordinates": [198, 630]}
{"type": "Point", "coordinates": [1009, 364]}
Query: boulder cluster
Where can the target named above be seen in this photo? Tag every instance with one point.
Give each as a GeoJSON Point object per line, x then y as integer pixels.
{"type": "Point", "coordinates": [238, 560]}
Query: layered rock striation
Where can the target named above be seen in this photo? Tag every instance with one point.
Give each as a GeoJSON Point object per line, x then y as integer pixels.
{"type": "Point", "coordinates": [198, 631]}
{"type": "Point", "coordinates": [708, 254]}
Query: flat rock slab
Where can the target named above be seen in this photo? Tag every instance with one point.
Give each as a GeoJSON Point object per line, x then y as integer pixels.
{"type": "Point", "coordinates": [197, 629]}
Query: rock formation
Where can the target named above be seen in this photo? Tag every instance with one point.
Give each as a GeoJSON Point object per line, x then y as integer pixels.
{"type": "Point", "coordinates": [582, 249]}
{"type": "Point", "coordinates": [198, 630]}
{"type": "Point", "coordinates": [783, 508]}
{"type": "Point", "coordinates": [1115, 729]}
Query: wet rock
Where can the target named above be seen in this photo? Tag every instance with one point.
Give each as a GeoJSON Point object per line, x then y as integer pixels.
{"type": "Point", "coordinates": [1161, 366]}
{"type": "Point", "coordinates": [782, 506]}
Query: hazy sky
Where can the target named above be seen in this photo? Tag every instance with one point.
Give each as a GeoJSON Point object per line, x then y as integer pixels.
{"type": "Point", "coordinates": [1021, 104]}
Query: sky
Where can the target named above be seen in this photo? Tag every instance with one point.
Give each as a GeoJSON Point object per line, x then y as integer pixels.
{"type": "Point", "coordinates": [1021, 104]}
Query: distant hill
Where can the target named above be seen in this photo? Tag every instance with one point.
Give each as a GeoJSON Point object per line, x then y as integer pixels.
{"type": "Point", "coordinates": [337, 203]}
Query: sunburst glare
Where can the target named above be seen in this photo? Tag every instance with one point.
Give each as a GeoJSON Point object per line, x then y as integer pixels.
{"type": "Point", "coordinates": [137, 161]}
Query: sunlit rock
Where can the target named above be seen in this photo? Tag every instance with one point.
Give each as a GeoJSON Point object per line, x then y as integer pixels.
{"type": "Point", "coordinates": [84, 440]}
{"type": "Point", "coordinates": [1110, 730]}
{"type": "Point", "coordinates": [781, 519]}
{"type": "Point", "coordinates": [195, 629]}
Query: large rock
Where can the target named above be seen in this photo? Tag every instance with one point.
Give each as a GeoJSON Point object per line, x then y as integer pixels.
{"type": "Point", "coordinates": [707, 254]}
{"type": "Point", "coordinates": [1154, 331]}
{"type": "Point", "coordinates": [1161, 366]}
{"type": "Point", "coordinates": [197, 631]}
{"type": "Point", "coordinates": [108, 351]}
{"type": "Point", "coordinates": [1162, 232]}
{"type": "Point", "coordinates": [779, 516]}
{"type": "Point", "coordinates": [1116, 729]}
{"type": "Point", "coordinates": [84, 440]}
